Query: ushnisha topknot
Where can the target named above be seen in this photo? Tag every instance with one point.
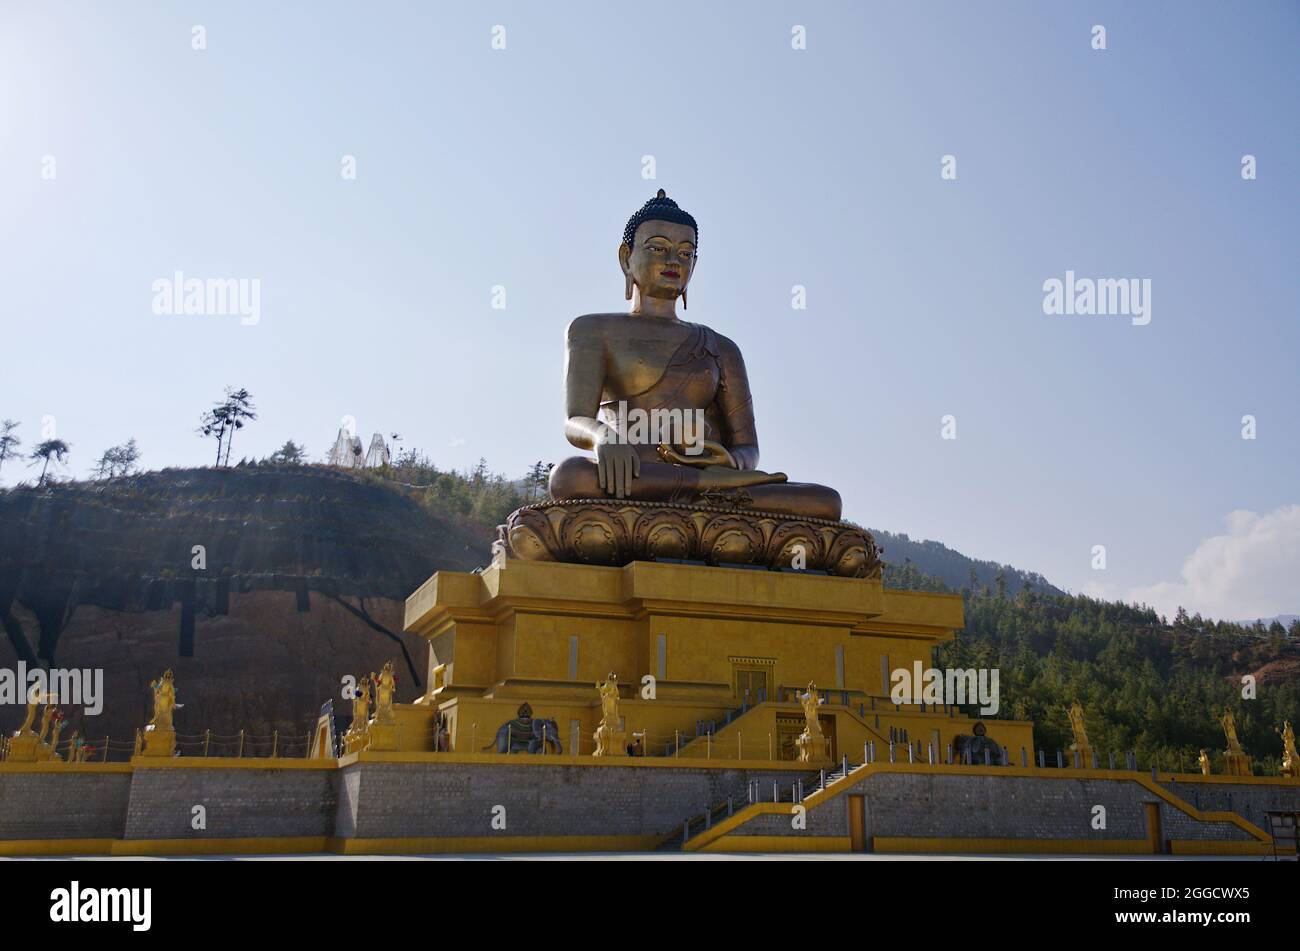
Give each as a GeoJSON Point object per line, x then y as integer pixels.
{"type": "Point", "coordinates": [660, 208]}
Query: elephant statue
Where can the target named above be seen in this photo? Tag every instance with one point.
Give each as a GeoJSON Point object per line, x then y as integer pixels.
{"type": "Point", "coordinates": [526, 734]}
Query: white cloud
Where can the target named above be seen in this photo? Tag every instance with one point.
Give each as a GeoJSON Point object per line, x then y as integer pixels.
{"type": "Point", "coordinates": [1252, 570]}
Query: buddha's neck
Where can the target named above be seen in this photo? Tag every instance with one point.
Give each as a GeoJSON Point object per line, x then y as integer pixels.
{"type": "Point", "coordinates": [643, 306]}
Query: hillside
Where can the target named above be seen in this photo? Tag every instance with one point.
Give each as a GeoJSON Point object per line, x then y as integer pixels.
{"type": "Point", "coordinates": [1155, 688]}
{"type": "Point", "coordinates": [953, 569]}
{"type": "Point", "coordinates": [304, 573]}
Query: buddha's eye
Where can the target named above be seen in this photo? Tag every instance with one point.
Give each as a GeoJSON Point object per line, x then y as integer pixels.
{"type": "Point", "coordinates": [655, 249]}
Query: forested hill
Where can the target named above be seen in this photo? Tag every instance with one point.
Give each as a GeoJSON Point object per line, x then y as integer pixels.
{"type": "Point", "coordinates": [1155, 688]}
{"type": "Point", "coordinates": [955, 570]}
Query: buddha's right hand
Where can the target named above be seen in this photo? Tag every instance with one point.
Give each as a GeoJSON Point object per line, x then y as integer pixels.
{"type": "Point", "coordinates": [617, 464]}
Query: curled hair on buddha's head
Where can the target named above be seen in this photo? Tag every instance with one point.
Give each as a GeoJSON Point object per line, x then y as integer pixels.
{"type": "Point", "coordinates": [660, 208]}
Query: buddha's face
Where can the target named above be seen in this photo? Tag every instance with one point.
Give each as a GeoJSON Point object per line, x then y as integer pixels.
{"type": "Point", "coordinates": [661, 258]}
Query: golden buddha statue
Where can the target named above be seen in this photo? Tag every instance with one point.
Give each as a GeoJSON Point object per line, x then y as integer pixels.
{"type": "Point", "coordinates": [666, 407]}
{"type": "Point", "coordinates": [649, 361]}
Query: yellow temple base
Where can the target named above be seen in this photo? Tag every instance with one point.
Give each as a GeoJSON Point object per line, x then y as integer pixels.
{"type": "Point", "coordinates": [710, 660]}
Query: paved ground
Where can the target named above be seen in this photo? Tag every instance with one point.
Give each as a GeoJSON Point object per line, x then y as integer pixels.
{"type": "Point", "coordinates": [654, 857]}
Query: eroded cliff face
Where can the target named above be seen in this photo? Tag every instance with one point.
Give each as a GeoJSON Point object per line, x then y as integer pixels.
{"type": "Point", "coordinates": [299, 580]}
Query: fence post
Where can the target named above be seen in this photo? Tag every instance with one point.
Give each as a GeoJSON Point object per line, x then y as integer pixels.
{"type": "Point", "coordinates": [275, 743]}
{"type": "Point", "coordinates": [207, 741]}
{"type": "Point", "coordinates": [105, 759]}
{"type": "Point", "coordinates": [241, 744]}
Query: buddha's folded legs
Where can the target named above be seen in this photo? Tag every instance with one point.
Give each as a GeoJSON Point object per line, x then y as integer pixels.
{"type": "Point", "coordinates": [577, 478]}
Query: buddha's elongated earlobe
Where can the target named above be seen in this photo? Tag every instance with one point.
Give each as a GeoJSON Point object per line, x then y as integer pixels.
{"type": "Point", "coordinates": [683, 298]}
{"type": "Point", "coordinates": [627, 291]}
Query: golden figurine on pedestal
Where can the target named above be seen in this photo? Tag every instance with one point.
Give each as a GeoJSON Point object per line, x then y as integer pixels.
{"type": "Point", "coordinates": [381, 732]}
{"type": "Point", "coordinates": [666, 408]}
{"type": "Point", "coordinates": [1290, 758]}
{"type": "Point", "coordinates": [385, 688]}
{"type": "Point", "coordinates": [611, 739]}
{"type": "Point", "coordinates": [1080, 744]}
{"type": "Point", "coordinates": [164, 702]}
{"type": "Point", "coordinates": [159, 738]}
{"type": "Point", "coordinates": [27, 745]}
{"type": "Point", "coordinates": [1236, 761]}
{"type": "Point", "coordinates": [354, 740]}
{"type": "Point", "coordinates": [812, 743]}
{"type": "Point", "coordinates": [1204, 761]}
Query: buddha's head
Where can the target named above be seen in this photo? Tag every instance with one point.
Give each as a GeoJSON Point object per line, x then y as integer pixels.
{"type": "Point", "coordinates": [658, 250]}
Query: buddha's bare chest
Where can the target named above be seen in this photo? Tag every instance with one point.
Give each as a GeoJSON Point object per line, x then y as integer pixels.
{"type": "Point", "coordinates": [635, 358]}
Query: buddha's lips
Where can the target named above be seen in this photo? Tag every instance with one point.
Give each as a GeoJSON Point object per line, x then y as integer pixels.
{"type": "Point", "coordinates": [669, 274]}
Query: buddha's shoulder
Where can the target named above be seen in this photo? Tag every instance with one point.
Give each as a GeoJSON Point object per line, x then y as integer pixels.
{"type": "Point", "coordinates": [595, 324]}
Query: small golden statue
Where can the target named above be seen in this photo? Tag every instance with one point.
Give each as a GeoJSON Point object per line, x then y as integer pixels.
{"type": "Point", "coordinates": [1080, 744]}
{"type": "Point", "coordinates": [1236, 761]}
{"type": "Point", "coordinates": [1290, 758]}
{"type": "Point", "coordinates": [385, 688]}
{"type": "Point", "coordinates": [810, 702]}
{"type": "Point", "coordinates": [164, 702]}
{"type": "Point", "coordinates": [28, 745]}
{"type": "Point", "coordinates": [1076, 724]}
{"type": "Point", "coordinates": [54, 737]}
{"type": "Point", "coordinates": [1229, 724]}
{"type": "Point", "coordinates": [361, 703]}
{"type": "Point", "coordinates": [1204, 760]}
{"type": "Point", "coordinates": [813, 745]}
{"type": "Point", "coordinates": [159, 737]}
{"type": "Point", "coordinates": [354, 740]}
{"type": "Point", "coordinates": [611, 739]}
{"type": "Point", "coordinates": [381, 732]}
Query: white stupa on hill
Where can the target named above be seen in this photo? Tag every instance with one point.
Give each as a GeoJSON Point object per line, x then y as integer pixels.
{"type": "Point", "coordinates": [348, 454]}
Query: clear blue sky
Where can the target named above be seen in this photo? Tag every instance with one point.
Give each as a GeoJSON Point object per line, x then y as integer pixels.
{"type": "Point", "coordinates": [518, 167]}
